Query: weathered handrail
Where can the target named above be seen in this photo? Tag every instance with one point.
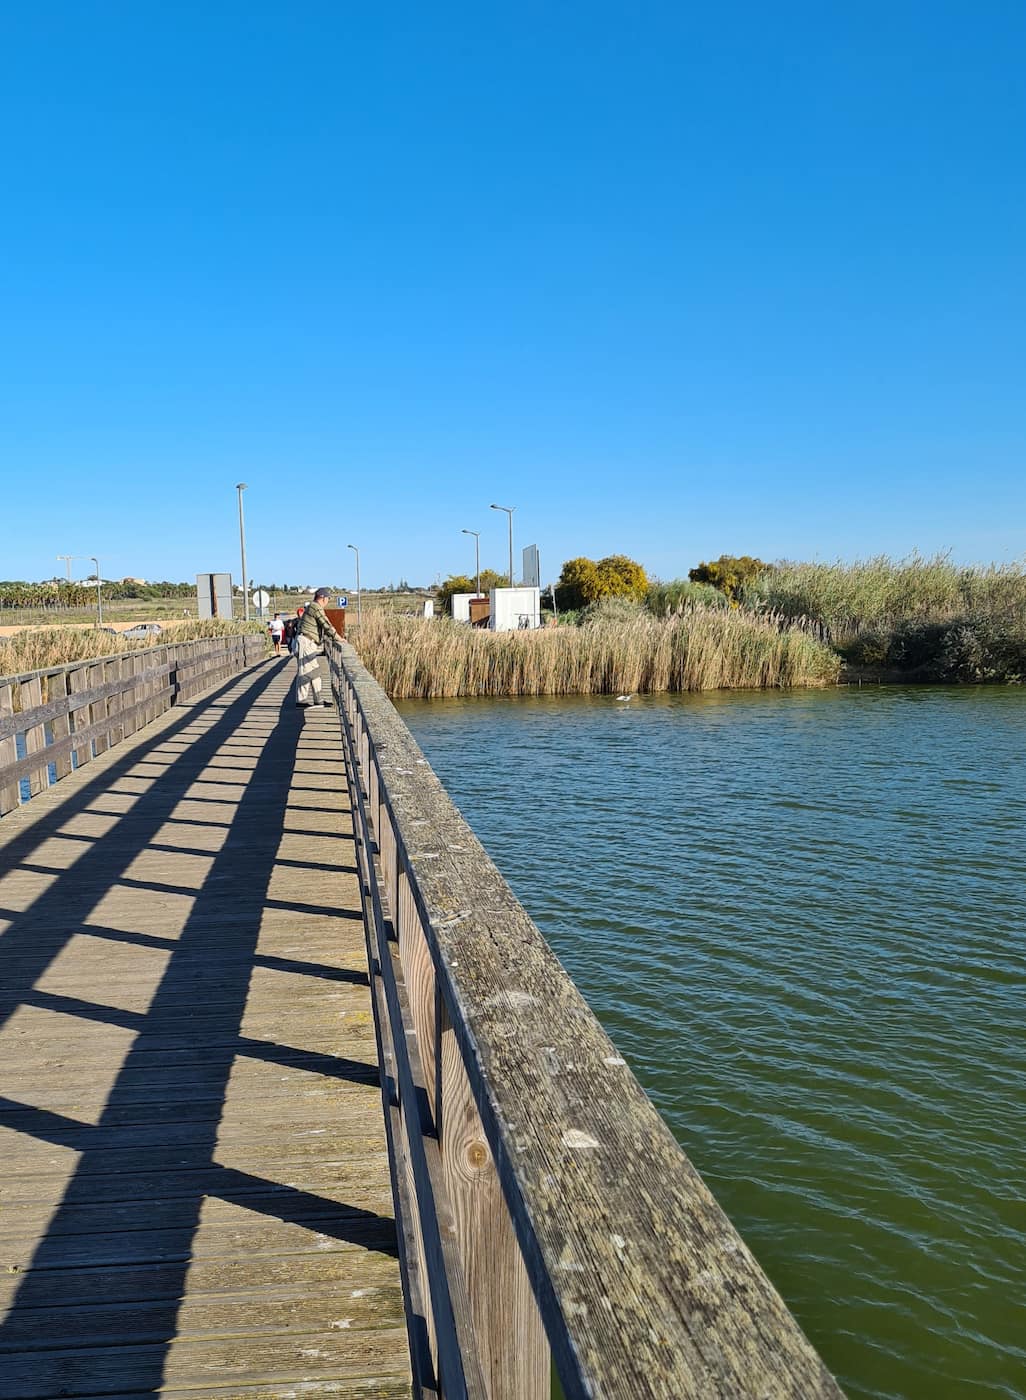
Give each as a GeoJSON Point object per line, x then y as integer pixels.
{"type": "Point", "coordinates": [67, 715]}
{"type": "Point", "coordinates": [538, 1192]}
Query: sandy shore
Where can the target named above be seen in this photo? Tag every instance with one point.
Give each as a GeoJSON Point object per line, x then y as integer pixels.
{"type": "Point", "coordinates": [164, 623]}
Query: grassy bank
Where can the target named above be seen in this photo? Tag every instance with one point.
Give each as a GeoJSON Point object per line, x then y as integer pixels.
{"type": "Point", "coordinates": [882, 593]}
{"type": "Point", "coordinates": [699, 649]}
{"type": "Point", "coordinates": [37, 648]}
{"type": "Point", "coordinates": [926, 619]}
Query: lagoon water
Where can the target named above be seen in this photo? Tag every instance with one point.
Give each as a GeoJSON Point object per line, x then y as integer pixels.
{"type": "Point", "coordinates": [801, 917]}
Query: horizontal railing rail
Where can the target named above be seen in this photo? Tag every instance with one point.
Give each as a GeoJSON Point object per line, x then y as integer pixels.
{"type": "Point", "coordinates": [541, 1199]}
{"type": "Point", "coordinates": [55, 720]}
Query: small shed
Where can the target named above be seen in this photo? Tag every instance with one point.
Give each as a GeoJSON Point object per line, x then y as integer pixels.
{"type": "Point", "coordinates": [466, 607]}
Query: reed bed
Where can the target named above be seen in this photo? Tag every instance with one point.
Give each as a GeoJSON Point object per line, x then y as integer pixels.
{"type": "Point", "coordinates": [697, 649]}
{"type": "Point", "coordinates": [881, 594]}
{"type": "Point", "coordinates": [37, 648]}
{"type": "Point", "coordinates": [673, 596]}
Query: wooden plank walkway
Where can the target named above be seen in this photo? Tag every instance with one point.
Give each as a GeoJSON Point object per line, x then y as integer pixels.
{"type": "Point", "coordinates": [194, 1190]}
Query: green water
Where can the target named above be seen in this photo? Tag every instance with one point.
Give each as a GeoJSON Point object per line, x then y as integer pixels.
{"type": "Point", "coordinates": [800, 916]}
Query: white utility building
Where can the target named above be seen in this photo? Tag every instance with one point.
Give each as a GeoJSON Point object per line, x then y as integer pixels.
{"type": "Point", "coordinates": [514, 608]}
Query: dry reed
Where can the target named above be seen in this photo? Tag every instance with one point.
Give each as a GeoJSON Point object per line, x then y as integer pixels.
{"type": "Point", "coordinates": [37, 648]}
{"type": "Point", "coordinates": [697, 649]}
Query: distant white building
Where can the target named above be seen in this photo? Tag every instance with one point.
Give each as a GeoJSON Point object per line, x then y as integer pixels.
{"type": "Point", "coordinates": [510, 609]}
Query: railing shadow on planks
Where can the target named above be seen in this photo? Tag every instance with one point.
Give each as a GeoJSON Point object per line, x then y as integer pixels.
{"type": "Point", "coordinates": [64, 716]}
{"type": "Point", "coordinates": [541, 1200]}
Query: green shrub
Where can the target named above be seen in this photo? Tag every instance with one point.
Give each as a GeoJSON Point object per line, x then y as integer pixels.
{"type": "Point", "coordinates": [730, 574]}
{"type": "Point", "coordinates": [973, 650]}
{"type": "Point", "coordinates": [462, 583]}
{"type": "Point", "coordinates": [578, 584]}
{"type": "Point", "coordinates": [870, 650]}
{"type": "Point", "coordinates": [585, 581]}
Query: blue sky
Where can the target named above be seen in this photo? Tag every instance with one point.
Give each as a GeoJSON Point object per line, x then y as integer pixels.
{"type": "Point", "coordinates": [671, 279]}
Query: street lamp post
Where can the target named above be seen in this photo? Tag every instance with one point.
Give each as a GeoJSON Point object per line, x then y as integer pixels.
{"type": "Point", "coordinates": [240, 487]}
{"type": "Point", "coordinates": [477, 555]}
{"type": "Point", "coordinates": [359, 597]}
{"type": "Point", "coordinates": [509, 512]}
{"type": "Point", "coordinates": [99, 595]}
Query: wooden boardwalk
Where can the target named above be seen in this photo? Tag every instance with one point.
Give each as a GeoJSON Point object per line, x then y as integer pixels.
{"type": "Point", "coordinates": [194, 1190]}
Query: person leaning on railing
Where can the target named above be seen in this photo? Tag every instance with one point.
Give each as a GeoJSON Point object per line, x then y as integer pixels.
{"type": "Point", "coordinates": [313, 627]}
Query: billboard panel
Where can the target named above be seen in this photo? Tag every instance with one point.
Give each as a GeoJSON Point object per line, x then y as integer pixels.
{"type": "Point", "coordinates": [214, 595]}
{"type": "Point", "coordinates": [532, 567]}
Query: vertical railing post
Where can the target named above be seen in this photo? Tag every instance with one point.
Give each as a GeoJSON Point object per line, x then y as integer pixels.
{"type": "Point", "coordinates": [411, 1116]}
{"type": "Point", "coordinates": [114, 670]}
{"type": "Point", "coordinates": [419, 976]}
{"type": "Point", "coordinates": [9, 795]}
{"type": "Point", "coordinates": [98, 709]}
{"type": "Point", "coordinates": [130, 668]}
{"type": "Point", "coordinates": [35, 737]}
{"type": "Point", "coordinates": [511, 1340]}
{"type": "Point", "coordinates": [78, 680]}
{"type": "Point", "coordinates": [57, 687]}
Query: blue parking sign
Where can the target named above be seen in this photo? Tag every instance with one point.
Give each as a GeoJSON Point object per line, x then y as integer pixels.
{"type": "Point", "coordinates": [342, 601]}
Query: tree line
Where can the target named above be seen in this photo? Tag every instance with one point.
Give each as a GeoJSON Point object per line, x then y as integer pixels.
{"type": "Point", "coordinates": [58, 593]}
{"type": "Point", "coordinates": [51, 594]}
{"type": "Point", "coordinates": [584, 581]}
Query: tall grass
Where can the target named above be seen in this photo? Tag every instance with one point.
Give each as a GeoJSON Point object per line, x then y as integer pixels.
{"type": "Point", "coordinates": [697, 649]}
{"type": "Point", "coordinates": [880, 594]}
{"type": "Point", "coordinates": [673, 596]}
{"type": "Point", "coordinates": [39, 647]}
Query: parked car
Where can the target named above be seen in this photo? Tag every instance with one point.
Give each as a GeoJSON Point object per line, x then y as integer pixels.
{"type": "Point", "coordinates": [143, 631]}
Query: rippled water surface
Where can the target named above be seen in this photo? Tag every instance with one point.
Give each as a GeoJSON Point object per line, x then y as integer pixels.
{"type": "Point", "coordinates": [800, 916]}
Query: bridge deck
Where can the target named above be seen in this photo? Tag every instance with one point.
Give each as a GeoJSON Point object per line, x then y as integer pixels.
{"type": "Point", "coordinates": [194, 1194]}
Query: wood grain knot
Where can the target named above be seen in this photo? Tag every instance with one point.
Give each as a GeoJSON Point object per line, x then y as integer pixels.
{"type": "Point", "coordinates": [477, 1155]}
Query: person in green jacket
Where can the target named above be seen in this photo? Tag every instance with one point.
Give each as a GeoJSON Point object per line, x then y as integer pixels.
{"type": "Point", "coordinates": [313, 627]}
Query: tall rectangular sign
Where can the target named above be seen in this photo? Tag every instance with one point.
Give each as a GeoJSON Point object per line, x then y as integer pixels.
{"type": "Point", "coordinates": [532, 567]}
{"type": "Point", "coordinates": [214, 596]}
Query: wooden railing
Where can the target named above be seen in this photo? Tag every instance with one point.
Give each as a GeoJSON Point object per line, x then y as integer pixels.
{"type": "Point", "coordinates": [541, 1200]}
{"type": "Point", "coordinates": [65, 716]}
